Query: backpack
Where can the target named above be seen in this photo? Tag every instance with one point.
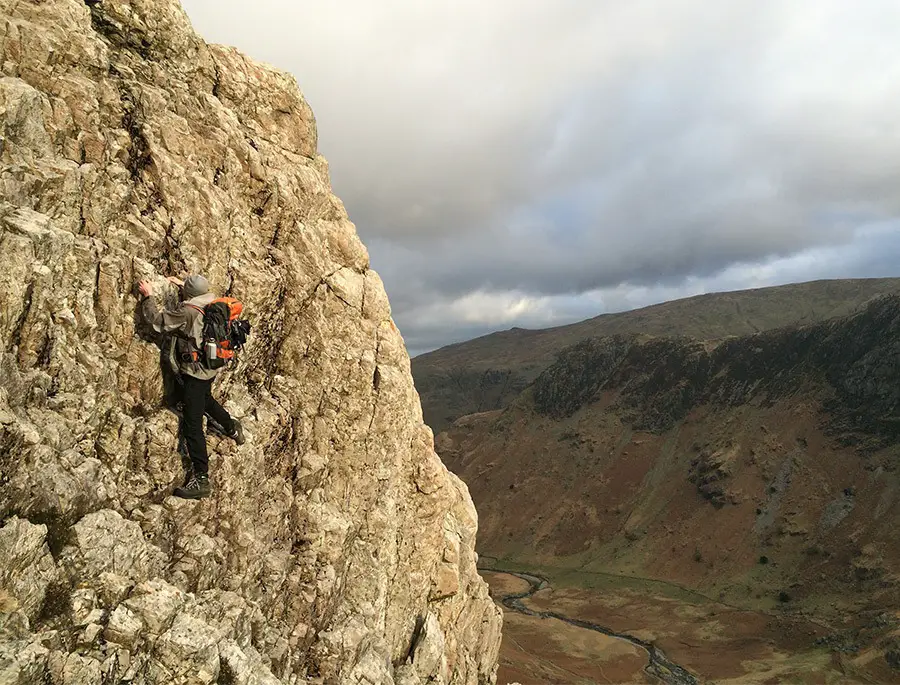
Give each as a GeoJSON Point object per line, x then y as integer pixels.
{"type": "Point", "coordinates": [223, 332]}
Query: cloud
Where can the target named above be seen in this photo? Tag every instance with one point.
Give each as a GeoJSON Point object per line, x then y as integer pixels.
{"type": "Point", "coordinates": [526, 162]}
{"type": "Point", "coordinates": [874, 251]}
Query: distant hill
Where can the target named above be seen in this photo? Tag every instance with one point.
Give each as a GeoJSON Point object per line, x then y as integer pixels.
{"type": "Point", "coordinates": [761, 470]}
{"type": "Point", "coordinates": [489, 372]}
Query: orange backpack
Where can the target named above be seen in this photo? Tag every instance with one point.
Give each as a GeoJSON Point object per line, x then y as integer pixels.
{"type": "Point", "coordinates": [223, 332]}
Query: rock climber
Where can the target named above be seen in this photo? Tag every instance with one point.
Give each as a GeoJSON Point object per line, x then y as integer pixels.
{"type": "Point", "coordinates": [185, 324]}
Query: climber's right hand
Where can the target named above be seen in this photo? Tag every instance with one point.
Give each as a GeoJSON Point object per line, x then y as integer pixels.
{"type": "Point", "coordinates": [146, 288]}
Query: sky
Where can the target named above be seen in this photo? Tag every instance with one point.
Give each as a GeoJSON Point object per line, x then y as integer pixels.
{"type": "Point", "coordinates": [533, 163]}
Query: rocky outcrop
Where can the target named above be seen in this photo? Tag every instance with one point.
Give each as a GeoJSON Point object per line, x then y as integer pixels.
{"type": "Point", "coordinates": [848, 362]}
{"type": "Point", "coordinates": [578, 375]}
{"type": "Point", "coordinates": [337, 548]}
{"type": "Point", "coordinates": [710, 472]}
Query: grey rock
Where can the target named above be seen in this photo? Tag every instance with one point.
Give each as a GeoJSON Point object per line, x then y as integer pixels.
{"type": "Point", "coordinates": [245, 666]}
{"type": "Point", "coordinates": [155, 604]}
{"type": "Point", "coordinates": [82, 670]}
{"type": "Point", "coordinates": [134, 150]}
{"type": "Point", "coordinates": [428, 653]}
{"type": "Point", "coordinates": [107, 543]}
{"type": "Point", "coordinates": [22, 662]}
{"type": "Point", "coordinates": [187, 652]}
{"type": "Point", "coordinates": [124, 627]}
{"type": "Point", "coordinates": [27, 569]}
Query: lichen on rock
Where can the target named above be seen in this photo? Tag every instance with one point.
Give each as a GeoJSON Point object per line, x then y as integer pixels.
{"type": "Point", "coordinates": [336, 548]}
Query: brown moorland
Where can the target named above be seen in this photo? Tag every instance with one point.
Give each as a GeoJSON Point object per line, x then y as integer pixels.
{"type": "Point", "coordinates": [758, 473]}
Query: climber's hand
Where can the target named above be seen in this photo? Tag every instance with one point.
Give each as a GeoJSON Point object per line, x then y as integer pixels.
{"type": "Point", "coordinates": [174, 280]}
{"type": "Point", "coordinates": [146, 288]}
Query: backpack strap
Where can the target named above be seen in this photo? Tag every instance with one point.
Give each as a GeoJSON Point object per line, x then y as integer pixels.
{"type": "Point", "coordinates": [191, 337]}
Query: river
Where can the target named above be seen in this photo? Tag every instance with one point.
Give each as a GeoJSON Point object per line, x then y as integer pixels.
{"type": "Point", "coordinates": [659, 666]}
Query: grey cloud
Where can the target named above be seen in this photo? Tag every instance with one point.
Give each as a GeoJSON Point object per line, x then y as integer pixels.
{"type": "Point", "coordinates": [874, 252]}
{"type": "Point", "coordinates": [555, 149]}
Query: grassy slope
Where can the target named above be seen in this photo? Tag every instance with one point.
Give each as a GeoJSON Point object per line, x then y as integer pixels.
{"type": "Point", "coordinates": [605, 509]}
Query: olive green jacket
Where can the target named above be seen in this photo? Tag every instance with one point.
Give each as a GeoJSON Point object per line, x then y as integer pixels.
{"type": "Point", "coordinates": [184, 325]}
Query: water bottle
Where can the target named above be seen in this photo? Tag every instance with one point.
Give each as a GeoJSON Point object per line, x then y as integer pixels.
{"type": "Point", "coordinates": [211, 350]}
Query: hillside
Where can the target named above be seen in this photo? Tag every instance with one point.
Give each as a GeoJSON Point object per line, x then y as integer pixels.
{"type": "Point", "coordinates": [336, 547]}
{"type": "Point", "coordinates": [761, 470]}
{"type": "Point", "coordinates": [487, 373]}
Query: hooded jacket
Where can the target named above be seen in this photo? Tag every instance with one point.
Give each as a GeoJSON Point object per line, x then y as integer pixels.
{"type": "Point", "coordinates": [185, 326]}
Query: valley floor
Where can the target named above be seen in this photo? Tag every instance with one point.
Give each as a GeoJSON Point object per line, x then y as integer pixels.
{"type": "Point", "coordinates": [714, 642]}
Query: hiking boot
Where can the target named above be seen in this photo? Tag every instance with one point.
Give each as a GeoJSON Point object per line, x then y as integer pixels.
{"type": "Point", "coordinates": [197, 487]}
{"type": "Point", "coordinates": [238, 433]}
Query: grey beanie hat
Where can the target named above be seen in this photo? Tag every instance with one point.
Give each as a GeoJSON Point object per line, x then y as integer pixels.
{"type": "Point", "coordinates": [195, 285]}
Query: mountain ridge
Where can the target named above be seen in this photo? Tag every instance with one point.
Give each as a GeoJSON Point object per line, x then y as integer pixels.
{"type": "Point", "coordinates": [487, 372]}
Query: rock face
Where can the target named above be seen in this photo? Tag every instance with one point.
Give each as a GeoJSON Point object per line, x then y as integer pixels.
{"type": "Point", "coordinates": [336, 548]}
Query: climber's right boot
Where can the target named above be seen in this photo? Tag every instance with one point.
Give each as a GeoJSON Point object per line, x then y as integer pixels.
{"type": "Point", "coordinates": [196, 488]}
{"type": "Point", "coordinates": [238, 433]}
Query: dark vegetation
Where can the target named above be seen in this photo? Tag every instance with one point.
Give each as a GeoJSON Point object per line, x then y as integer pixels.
{"type": "Point", "coordinates": [659, 381]}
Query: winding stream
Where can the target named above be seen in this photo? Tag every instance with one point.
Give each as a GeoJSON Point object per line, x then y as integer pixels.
{"type": "Point", "coordinates": [660, 666]}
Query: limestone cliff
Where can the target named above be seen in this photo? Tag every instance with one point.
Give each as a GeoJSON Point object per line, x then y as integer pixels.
{"type": "Point", "coordinates": [337, 548]}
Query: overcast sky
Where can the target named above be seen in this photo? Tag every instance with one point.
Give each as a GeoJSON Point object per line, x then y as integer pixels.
{"type": "Point", "coordinates": [532, 163]}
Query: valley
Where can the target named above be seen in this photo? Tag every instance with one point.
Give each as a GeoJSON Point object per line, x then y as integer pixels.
{"type": "Point", "coordinates": [552, 637]}
{"type": "Point", "coordinates": [521, 601]}
{"type": "Point", "coordinates": [731, 501]}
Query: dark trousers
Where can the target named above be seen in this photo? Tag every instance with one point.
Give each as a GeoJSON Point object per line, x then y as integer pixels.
{"type": "Point", "coordinates": [198, 400]}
